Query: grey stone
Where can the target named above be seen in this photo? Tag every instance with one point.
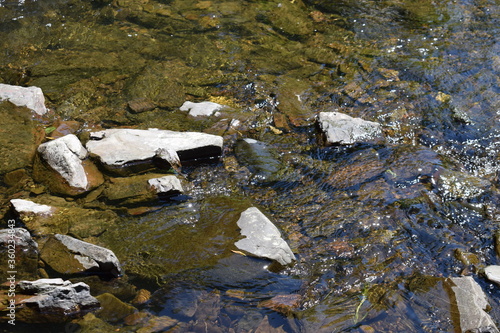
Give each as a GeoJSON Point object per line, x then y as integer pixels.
{"type": "Point", "coordinates": [340, 128]}
{"type": "Point", "coordinates": [30, 97]}
{"type": "Point", "coordinates": [493, 273]}
{"type": "Point", "coordinates": [25, 258]}
{"type": "Point", "coordinates": [55, 299]}
{"type": "Point", "coordinates": [470, 302]}
{"type": "Point", "coordinates": [167, 184]}
{"type": "Point", "coordinates": [121, 148]}
{"type": "Point", "coordinates": [262, 239]}
{"type": "Point", "coordinates": [65, 156]}
{"type": "Point", "coordinates": [92, 257]}
{"type": "Point", "coordinates": [202, 108]}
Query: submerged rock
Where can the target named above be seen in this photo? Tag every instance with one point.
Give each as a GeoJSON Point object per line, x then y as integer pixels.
{"type": "Point", "coordinates": [202, 108]}
{"type": "Point", "coordinates": [44, 219]}
{"type": "Point", "coordinates": [24, 257]}
{"type": "Point", "coordinates": [54, 300]}
{"type": "Point", "coordinates": [340, 128]}
{"type": "Point", "coordinates": [68, 255]}
{"type": "Point", "coordinates": [30, 97]}
{"type": "Point", "coordinates": [260, 159]}
{"type": "Point", "coordinates": [131, 150]}
{"type": "Point", "coordinates": [470, 302]}
{"type": "Point", "coordinates": [20, 136]}
{"type": "Point", "coordinates": [262, 239]}
{"type": "Point", "coordinates": [65, 157]}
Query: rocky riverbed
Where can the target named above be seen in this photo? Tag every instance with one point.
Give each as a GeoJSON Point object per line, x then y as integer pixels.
{"type": "Point", "coordinates": [249, 166]}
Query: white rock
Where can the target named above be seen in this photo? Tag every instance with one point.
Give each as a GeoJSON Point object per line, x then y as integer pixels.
{"type": "Point", "coordinates": [263, 239]}
{"type": "Point", "coordinates": [26, 206]}
{"type": "Point", "coordinates": [493, 273]}
{"type": "Point", "coordinates": [166, 184]}
{"type": "Point", "coordinates": [340, 128]}
{"type": "Point", "coordinates": [471, 303]}
{"type": "Point", "coordinates": [202, 108]}
{"type": "Point", "coordinates": [65, 156]}
{"type": "Point", "coordinates": [117, 147]}
{"type": "Point", "coordinates": [30, 97]}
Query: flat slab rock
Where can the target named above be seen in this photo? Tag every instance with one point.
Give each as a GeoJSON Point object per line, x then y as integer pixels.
{"type": "Point", "coordinates": [340, 128]}
{"type": "Point", "coordinates": [119, 147]}
{"type": "Point", "coordinates": [202, 108]}
{"type": "Point", "coordinates": [471, 303]}
{"type": "Point", "coordinates": [30, 97]}
{"type": "Point", "coordinates": [263, 239]}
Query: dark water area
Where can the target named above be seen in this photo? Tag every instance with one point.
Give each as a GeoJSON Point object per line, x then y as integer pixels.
{"type": "Point", "coordinates": [377, 229]}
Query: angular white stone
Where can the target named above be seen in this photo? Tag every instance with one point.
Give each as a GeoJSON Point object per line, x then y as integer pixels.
{"type": "Point", "coordinates": [92, 257]}
{"type": "Point", "coordinates": [202, 108]}
{"type": "Point", "coordinates": [117, 147]}
{"type": "Point", "coordinates": [263, 239]}
{"type": "Point", "coordinates": [471, 303]}
{"type": "Point", "coordinates": [340, 128]}
{"type": "Point", "coordinates": [26, 206]}
{"type": "Point", "coordinates": [65, 156]}
{"type": "Point", "coordinates": [30, 97]}
{"type": "Point", "coordinates": [166, 184]}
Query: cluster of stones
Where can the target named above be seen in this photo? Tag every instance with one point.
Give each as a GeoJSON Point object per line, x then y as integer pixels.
{"type": "Point", "coordinates": [69, 168]}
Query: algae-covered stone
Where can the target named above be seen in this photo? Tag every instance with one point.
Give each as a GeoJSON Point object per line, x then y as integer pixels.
{"type": "Point", "coordinates": [113, 309]}
{"type": "Point", "coordinates": [68, 255]}
{"type": "Point", "coordinates": [140, 189]}
{"type": "Point", "coordinates": [292, 95]}
{"type": "Point", "coordinates": [19, 137]}
{"type": "Point", "coordinates": [83, 223]}
{"type": "Point", "coordinates": [261, 159]}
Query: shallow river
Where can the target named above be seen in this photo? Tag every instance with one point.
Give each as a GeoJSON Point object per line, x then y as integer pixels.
{"type": "Point", "coordinates": [376, 228]}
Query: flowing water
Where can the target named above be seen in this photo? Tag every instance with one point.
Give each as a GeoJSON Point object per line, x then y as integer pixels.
{"type": "Point", "coordinates": [376, 228]}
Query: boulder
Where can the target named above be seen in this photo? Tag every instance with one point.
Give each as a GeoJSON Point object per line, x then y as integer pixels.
{"type": "Point", "coordinates": [17, 245]}
{"type": "Point", "coordinates": [68, 255]}
{"type": "Point", "coordinates": [340, 128]}
{"type": "Point", "coordinates": [68, 172]}
{"type": "Point", "coordinates": [54, 300]}
{"type": "Point", "coordinates": [202, 108]}
{"type": "Point", "coordinates": [262, 239]}
{"type": "Point", "coordinates": [30, 97]}
{"type": "Point", "coordinates": [133, 150]}
{"type": "Point", "coordinates": [469, 302]}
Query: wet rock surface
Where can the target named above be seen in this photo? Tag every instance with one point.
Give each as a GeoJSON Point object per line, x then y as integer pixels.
{"type": "Point", "coordinates": [54, 300]}
{"type": "Point", "coordinates": [126, 148]}
{"type": "Point", "coordinates": [262, 238]}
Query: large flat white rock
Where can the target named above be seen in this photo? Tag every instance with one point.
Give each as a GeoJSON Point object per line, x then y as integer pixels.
{"type": "Point", "coordinates": [118, 147]}
{"type": "Point", "coordinates": [262, 239]}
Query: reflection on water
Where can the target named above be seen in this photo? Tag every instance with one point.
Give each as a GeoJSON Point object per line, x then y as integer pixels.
{"type": "Point", "coordinates": [376, 228]}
